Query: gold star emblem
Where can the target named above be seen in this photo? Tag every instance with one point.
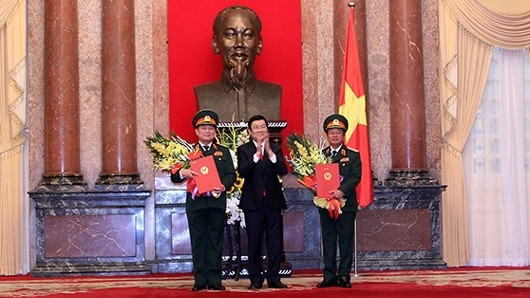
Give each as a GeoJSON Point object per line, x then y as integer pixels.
{"type": "Point", "coordinates": [205, 170]}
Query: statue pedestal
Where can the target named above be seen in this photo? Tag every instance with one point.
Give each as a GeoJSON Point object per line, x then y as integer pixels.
{"type": "Point", "coordinates": [401, 229]}
{"type": "Point", "coordinates": [90, 233]}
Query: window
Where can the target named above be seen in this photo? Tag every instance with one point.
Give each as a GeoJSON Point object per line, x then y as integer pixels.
{"type": "Point", "coordinates": [495, 165]}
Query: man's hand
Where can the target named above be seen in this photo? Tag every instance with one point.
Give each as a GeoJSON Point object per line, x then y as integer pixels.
{"type": "Point", "coordinates": [217, 191]}
{"type": "Point", "coordinates": [336, 194]}
{"type": "Point", "coordinates": [267, 145]}
{"type": "Point", "coordinates": [188, 173]}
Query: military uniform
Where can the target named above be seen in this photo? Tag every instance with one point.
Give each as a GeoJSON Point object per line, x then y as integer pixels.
{"type": "Point", "coordinates": [342, 228]}
{"type": "Point", "coordinates": [207, 214]}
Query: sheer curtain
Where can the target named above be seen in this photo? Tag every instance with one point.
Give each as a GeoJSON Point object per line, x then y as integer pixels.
{"type": "Point", "coordinates": [14, 202]}
{"type": "Point", "coordinates": [469, 31]}
{"type": "Point", "coordinates": [496, 166]}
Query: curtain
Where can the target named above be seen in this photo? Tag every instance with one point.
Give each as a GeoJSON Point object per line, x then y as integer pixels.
{"type": "Point", "coordinates": [6, 7]}
{"type": "Point", "coordinates": [497, 179]}
{"type": "Point", "coordinates": [14, 209]}
{"type": "Point", "coordinates": [468, 32]}
{"type": "Point", "coordinates": [492, 27]}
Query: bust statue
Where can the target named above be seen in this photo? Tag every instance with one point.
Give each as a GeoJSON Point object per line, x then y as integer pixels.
{"type": "Point", "coordinates": [238, 95]}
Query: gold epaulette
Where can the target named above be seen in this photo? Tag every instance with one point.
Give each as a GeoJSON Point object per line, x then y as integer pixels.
{"type": "Point", "coordinates": [220, 145]}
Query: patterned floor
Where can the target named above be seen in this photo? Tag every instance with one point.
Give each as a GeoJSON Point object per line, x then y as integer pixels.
{"type": "Point", "coordinates": [34, 287]}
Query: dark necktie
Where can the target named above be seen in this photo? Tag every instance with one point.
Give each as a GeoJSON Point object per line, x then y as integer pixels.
{"type": "Point", "coordinates": [206, 148]}
{"type": "Point", "coordinates": [333, 153]}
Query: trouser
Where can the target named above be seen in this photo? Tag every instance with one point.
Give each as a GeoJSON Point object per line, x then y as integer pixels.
{"type": "Point", "coordinates": [341, 229]}
{"type": "Point", "coordinates": [206, 228]}
{"type": "Point", "coordinates": [266, 220]}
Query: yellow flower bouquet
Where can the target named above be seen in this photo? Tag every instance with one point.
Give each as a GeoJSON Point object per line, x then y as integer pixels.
{"type": "Point", "coordinates": [169, 154]}
{"type": "Point", "coordinates": [304, 156]}
{"type": "Point", "coordinates": [232, 136]}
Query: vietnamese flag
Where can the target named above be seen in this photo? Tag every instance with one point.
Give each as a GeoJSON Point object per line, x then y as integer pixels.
{"type": "Point", "coordinates": [352, 105]}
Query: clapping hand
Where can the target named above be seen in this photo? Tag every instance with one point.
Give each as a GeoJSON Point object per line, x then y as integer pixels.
{"type": "Point", "coordinates": [267, 145]}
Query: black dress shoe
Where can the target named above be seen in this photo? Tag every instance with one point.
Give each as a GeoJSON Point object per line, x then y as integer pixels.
{"type": "Point", "coordinates": [327, 283]}
{"type": "Point", "coordinates": [277, 285]}
{"type": "Point", "coordinates": [217, 287]}
{"type": "Point", "coordinates": [344, 282]}
{"type": "Point", "coordinates": [255, 286]}
{"type": "Point", "coordinates": [198, 288]}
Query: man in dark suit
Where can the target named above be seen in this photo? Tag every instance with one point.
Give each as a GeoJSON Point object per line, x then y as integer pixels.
{"type": "Point", "coordinates": [207, 212]}
{"type": "Point", "coordinates": [260, 163]}
{"type": "Point", "coordinates": [342, 228]}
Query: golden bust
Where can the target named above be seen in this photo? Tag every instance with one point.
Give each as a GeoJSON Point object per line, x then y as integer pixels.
{"type": "Point", "coordinates": [238, 95]}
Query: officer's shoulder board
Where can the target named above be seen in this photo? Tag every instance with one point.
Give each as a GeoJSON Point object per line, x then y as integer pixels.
{"type": "Point", "coordinates": [219, 145]}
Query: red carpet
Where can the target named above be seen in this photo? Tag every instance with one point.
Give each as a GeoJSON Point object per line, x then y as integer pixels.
{"type": "Point", "coordinates": [467, 282]}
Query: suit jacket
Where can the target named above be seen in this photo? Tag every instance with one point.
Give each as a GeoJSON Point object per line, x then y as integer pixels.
{"type": "Point", "coordinates": [227, 173]}
{"type": "Point", "coordinates": [350, 169]}
{"type": "Point", "coordinates": [261, 176]}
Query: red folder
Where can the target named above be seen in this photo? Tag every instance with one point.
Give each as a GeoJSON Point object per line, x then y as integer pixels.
{"type": "Point", "coordinates": [208, 177]}
{"type": "Point", "coordinates": [328, 179]}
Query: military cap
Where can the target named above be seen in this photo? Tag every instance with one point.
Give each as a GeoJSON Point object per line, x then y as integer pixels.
{"type": "Point", "coordinates": [205, 117]}
{"type": "Point", "coordinates": [335, 121]}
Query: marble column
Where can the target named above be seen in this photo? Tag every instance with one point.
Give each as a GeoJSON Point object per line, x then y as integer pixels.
{"type": "Point", "coordinates": [407, 106]}
{"type": "Point", "coordinates": [61, 80]}
{"type": "Point", "coordinates": [119, 167]}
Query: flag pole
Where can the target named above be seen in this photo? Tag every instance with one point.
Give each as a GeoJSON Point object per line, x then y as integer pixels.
{"type": "Point", "coordinates": [351, 4]}
{"type": "Point", "coordinates": [355, 248]}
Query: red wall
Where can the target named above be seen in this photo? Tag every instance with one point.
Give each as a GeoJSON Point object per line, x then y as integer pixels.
{"type": "Point", "coordinates": [192, 62]}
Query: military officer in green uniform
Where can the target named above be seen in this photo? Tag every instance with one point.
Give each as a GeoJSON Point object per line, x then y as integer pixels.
{"type": "Point", "coordinates": [341, 228]}
{"type": "Point", "coordinates": [206, 212]}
